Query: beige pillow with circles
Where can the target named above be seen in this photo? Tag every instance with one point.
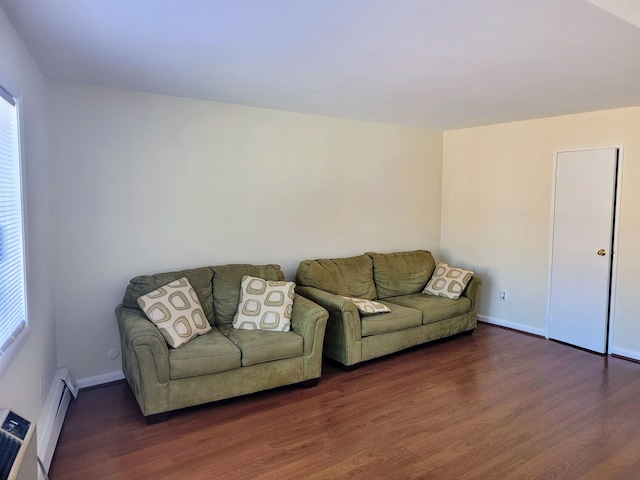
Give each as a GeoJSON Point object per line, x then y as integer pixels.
{"type": "Point", "coordinates": [175, 309]}
{"type": "Point", "coordinates": [368, 307]}
{"type": "Point", "coordinates": [264, 305]}
{"type": "Point", "coordinates": [448, 282]}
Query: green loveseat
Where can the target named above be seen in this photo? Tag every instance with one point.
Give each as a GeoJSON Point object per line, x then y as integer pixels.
{"type": "Point", "coordinates": [395, 280]}
{"type": "Point", "coordinates": [225, 362]}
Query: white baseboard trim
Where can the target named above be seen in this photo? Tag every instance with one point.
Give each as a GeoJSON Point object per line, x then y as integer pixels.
{"type": "Point", "coordinates": [625, 353]}
{"type": "Point", "coordinates": [515, 326]}
{"type": "Point", "coordinates": [100, 379]}
{"type": "Point", "coordinates": [633, 355]}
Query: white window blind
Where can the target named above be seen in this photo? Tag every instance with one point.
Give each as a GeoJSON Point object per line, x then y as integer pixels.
{"type": "Point", "coordinates": [13, 317]}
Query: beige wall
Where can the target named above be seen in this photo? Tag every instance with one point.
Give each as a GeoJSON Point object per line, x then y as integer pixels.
{"type": "Point", "coordinates": [146, 183]}
{"type": "Point", "coordinates": [141, 183]}
{"type": "Point", "coordinates": [496, 212]}
{"type": "Point", "coordinates": [26, 378]}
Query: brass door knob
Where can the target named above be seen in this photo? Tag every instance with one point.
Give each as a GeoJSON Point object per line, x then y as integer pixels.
{"type": "Point", "coordinates": [602, 252]}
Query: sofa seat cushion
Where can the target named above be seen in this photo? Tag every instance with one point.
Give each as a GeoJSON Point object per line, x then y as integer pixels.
{"type": "Point", "coordinates": [433, 308]}
{"type": "Point", "coordinates": [401, 273]}
{"type": "Point", "coordinates": [399, 318]}
{"type": "Point", "coordinates": [259, 346]}
{"type": "Point", "coordinates": [208, 353]}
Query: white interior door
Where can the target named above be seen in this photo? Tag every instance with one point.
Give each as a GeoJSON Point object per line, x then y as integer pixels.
{"type": "Point", "coordinates": [581, 252]}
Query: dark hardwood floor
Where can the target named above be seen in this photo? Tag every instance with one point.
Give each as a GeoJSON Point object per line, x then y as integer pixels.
{"type": "Point", "coordinates": [495, 405]}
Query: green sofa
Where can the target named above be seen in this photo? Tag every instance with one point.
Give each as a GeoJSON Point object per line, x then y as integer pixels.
{"type": "Point", "coordinates": [395, 280]}
{"type": "Point", "coordinates": [225, 362]}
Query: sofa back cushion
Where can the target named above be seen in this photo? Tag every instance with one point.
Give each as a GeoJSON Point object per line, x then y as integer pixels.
{"type": "Point", "coordinates": [401, 273]}
{"type": "Point", "coordinates": [349, 277]}
{"type": "Point", "coordinates": [226, 286]}
{"type": "Point", "coordinates": [199, 278]}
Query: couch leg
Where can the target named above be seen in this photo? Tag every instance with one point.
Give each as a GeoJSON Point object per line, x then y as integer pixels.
{"type": "Point", "coordinates": [312, 382]}
{"type": "Point", "coordinates": [349, 368]}
{"type": "Point", "coordinates": [157, 418]}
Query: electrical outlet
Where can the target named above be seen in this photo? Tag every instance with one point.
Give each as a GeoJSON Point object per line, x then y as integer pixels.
{"type": "Point", "coordinates": [503, 295]}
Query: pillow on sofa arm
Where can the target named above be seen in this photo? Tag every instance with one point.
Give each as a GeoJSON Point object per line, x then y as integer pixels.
{"type": "Point", "coordinates": [448, 282]}
{"type": "Point", "coordinates": [264, 305]}
{"type": "Point", "coordinates": [176, 311]}
{"type": "Point", "coordinates": [368, 307]}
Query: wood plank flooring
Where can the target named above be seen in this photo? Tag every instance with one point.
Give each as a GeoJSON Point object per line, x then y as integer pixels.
{"type": "Point", "coordinates": [495, 405]}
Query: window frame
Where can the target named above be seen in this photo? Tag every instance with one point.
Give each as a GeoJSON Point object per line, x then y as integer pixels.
{"type": "Point", "coordinates": [19, 335]}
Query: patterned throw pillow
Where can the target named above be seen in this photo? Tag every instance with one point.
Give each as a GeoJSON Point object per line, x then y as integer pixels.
{"type": "Point", "coordinates": [264, 305]}
{"type": "Point", "coordinates": [448, 281]}
{"type": "Point", "coordinates": [176, 311]}
{"type": "Point", "coordinates": [368, 307]}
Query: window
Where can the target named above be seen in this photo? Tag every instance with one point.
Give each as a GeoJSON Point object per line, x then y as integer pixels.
{"type": "Point", "coordinates": [13, 318]}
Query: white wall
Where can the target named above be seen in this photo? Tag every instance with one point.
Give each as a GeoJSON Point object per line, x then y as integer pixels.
{"type": "Point", "coordinates": [25, 382]}
{"type": "Point", "coordinates": [496, 212]}
{"type": "Point", "coordinates": [145, 183]}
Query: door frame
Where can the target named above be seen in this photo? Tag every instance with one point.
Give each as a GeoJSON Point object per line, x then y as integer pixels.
{"type": "Point", "coordinates": [616, 236]}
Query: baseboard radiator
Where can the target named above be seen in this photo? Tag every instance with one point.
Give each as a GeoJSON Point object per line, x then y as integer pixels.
{"type": "Point", "coordinates": [18, 447]}
{"type": "Point", "coordinates": [63, 389]}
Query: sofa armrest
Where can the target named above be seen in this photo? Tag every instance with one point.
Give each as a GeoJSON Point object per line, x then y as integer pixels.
{"type": "Point", "coordinates": [472, 292]}
{"type": "Point", "coordinates": [339, 309]}
{"type": "Point", "coordinates": [309, 320]}
{"type": "Point", "coordinates": [344, 330]}
{"type": "Point", "coordinates": [140, 338]}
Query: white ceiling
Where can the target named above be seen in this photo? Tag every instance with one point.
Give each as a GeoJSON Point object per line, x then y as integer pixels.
{"type": "Point", "coordinates": [432, 63]}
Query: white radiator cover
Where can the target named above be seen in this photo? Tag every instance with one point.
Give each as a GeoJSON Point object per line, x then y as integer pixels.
{"type": "Point", "coordinates": [25, 465]}
{"type": "Point", "coordinates": [53, 414]}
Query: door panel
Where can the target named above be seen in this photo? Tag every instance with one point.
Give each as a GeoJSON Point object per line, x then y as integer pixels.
{"type": "Point", "coordinates": [581, 251]}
